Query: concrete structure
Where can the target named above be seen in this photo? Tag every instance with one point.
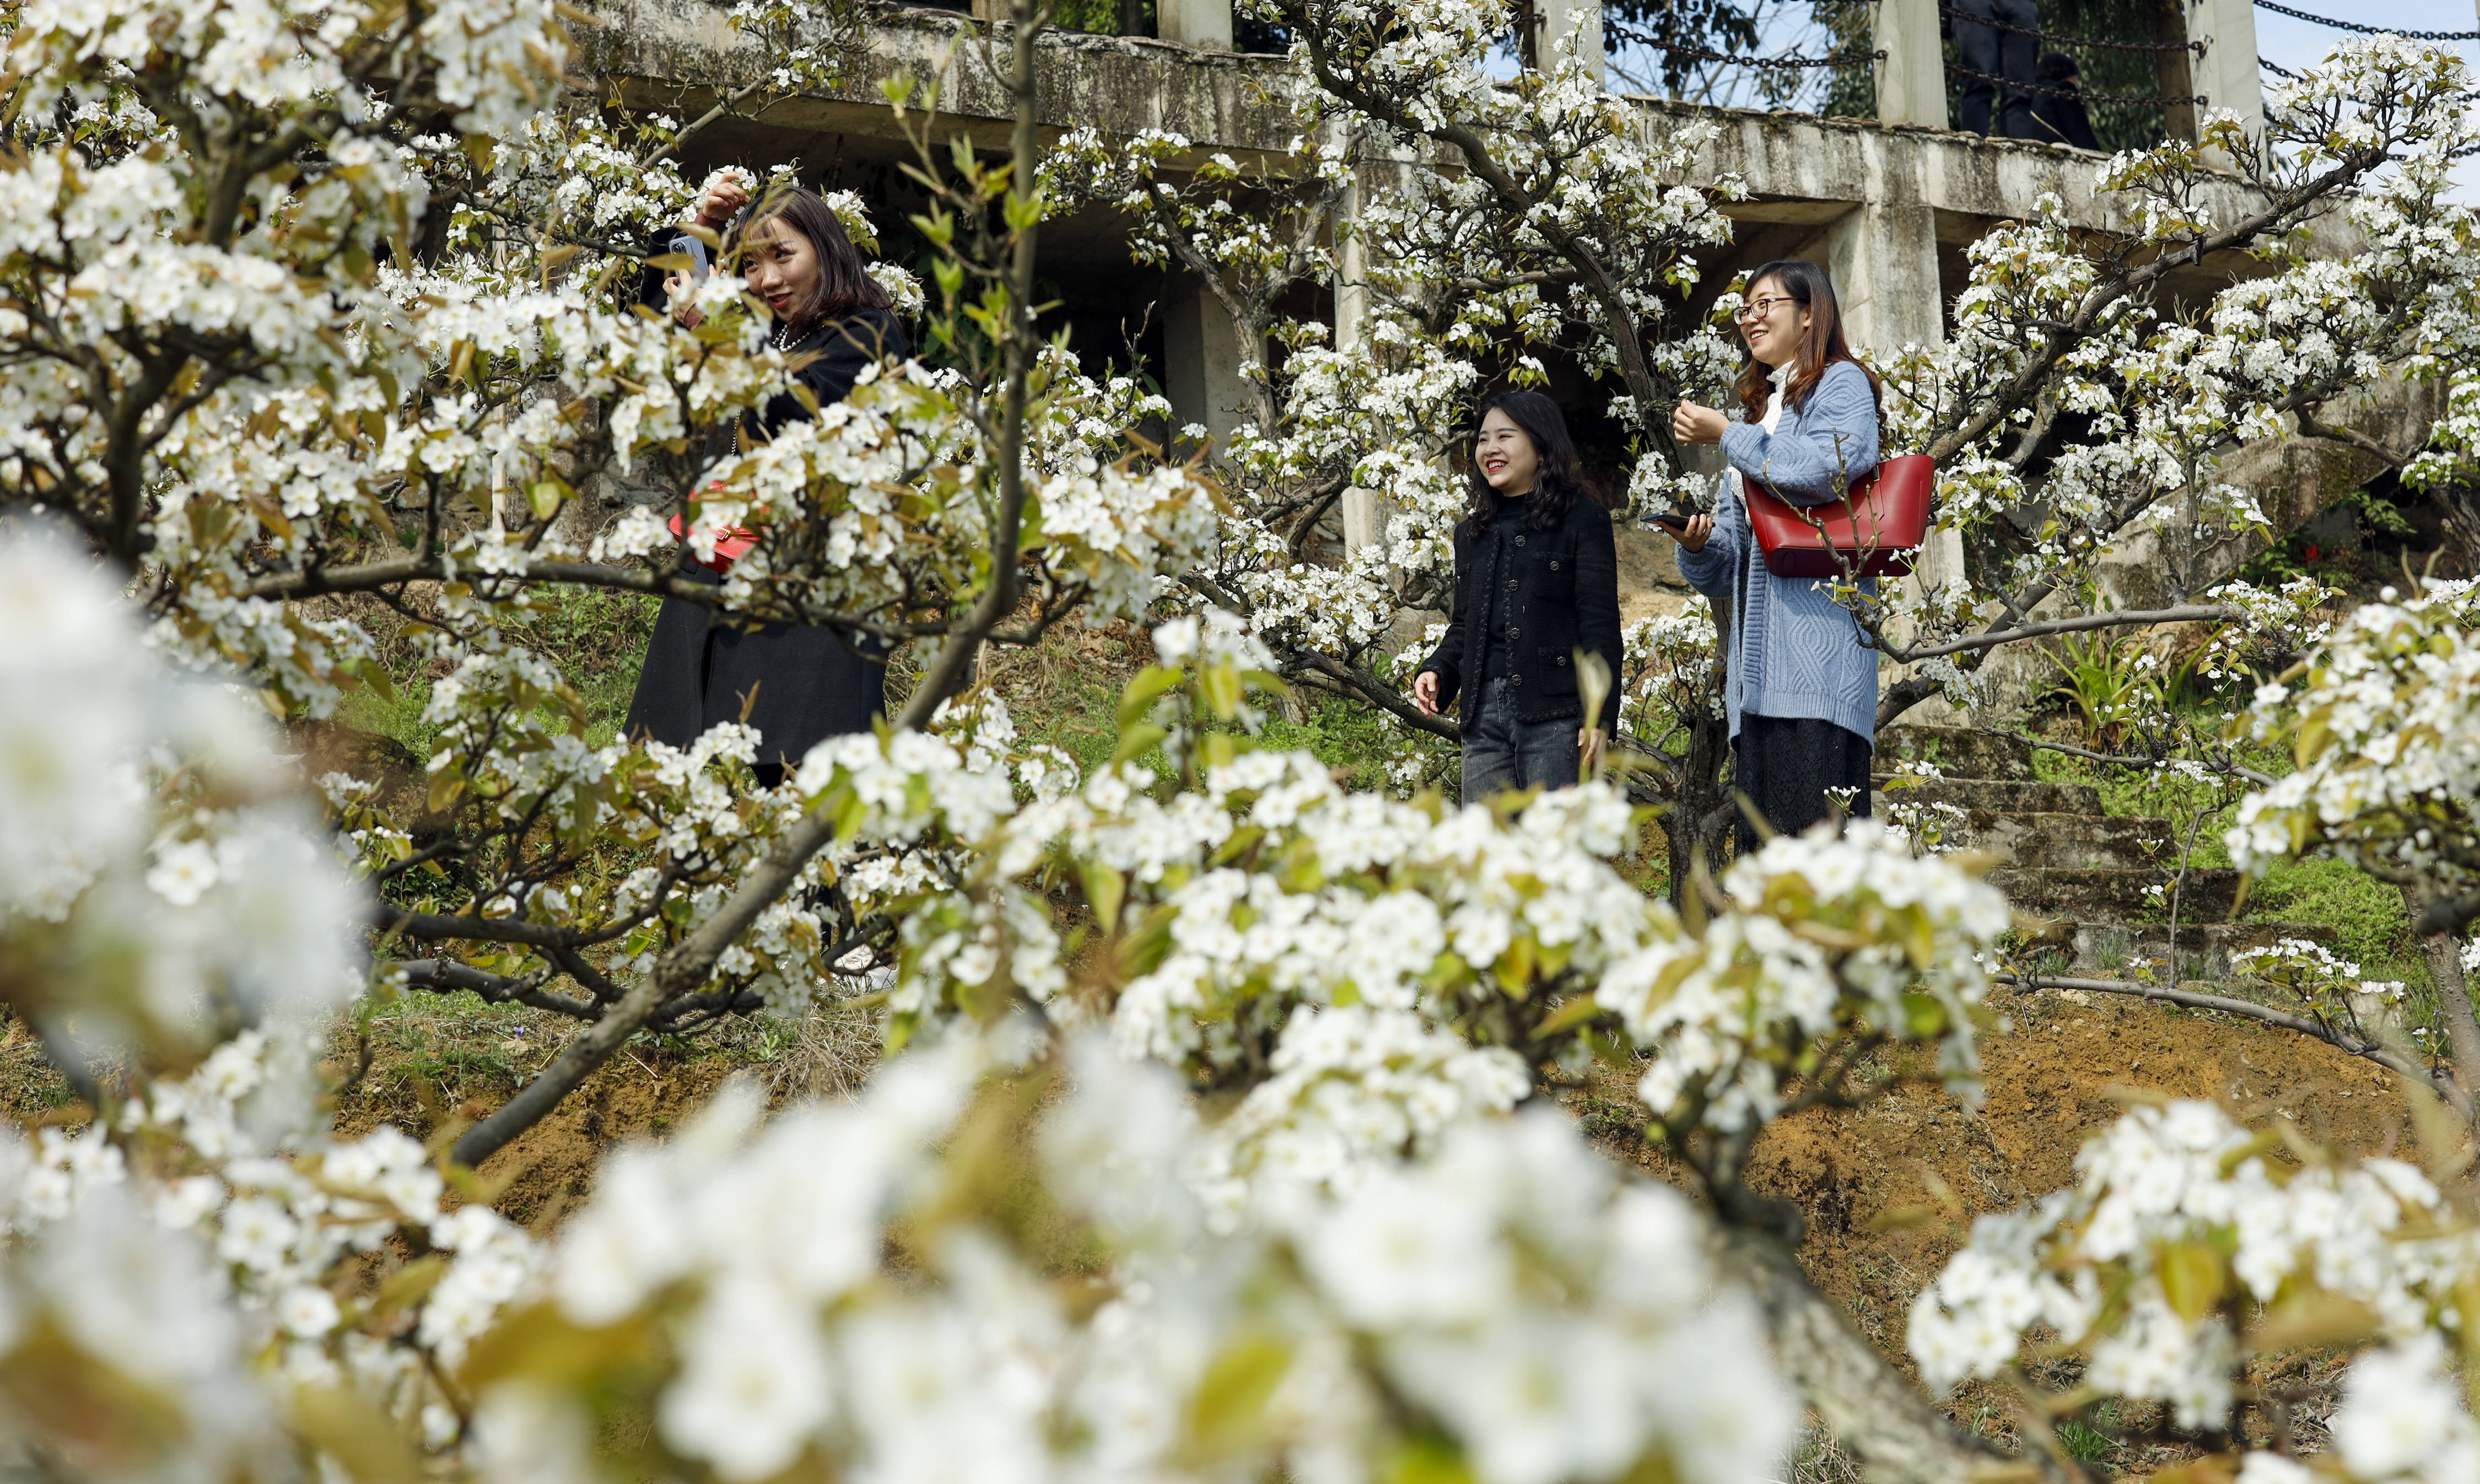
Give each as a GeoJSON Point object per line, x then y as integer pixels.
{"type": "Point", "coordinates": [1194, 22]}
{"type": "Point", "coordinates": [1201, 360]}
{"type": "Point", "coordinates": [1911, 77]}
{"type": "Point", "coordinates": [1888, 204]}
{"type": "Point", "coordinates": [1554, 21]}
{"type": "Point", "coordinates": [2225, 76]}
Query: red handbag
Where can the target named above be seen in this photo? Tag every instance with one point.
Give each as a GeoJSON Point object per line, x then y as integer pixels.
{"type": "Point", "coordinates": [729, 543]}
{"type": "Point", "coordinates": [1875, 531]}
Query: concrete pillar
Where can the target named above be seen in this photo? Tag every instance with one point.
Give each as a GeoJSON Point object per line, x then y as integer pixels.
{"type": "Point", "coordinates": [1554, 21]}
{"type": "Point", "coordinates": [1202, 362]}
{"type": "Point", "coordinates": [1911, 79]}
{"type": "Point", "coordinates": [1196, 22]}
{"type": "Point", "coordinates": [1365, 511]}
{"type": "Point", "coordinates": [2227, 73]}
{"type": "Point", "coordinates": [1882, 254]}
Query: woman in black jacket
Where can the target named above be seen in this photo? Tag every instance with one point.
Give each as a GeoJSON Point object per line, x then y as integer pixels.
{"type": "Point", "coordinates": [796, 683]}
{"type": "Point", "coordinates": [1536, 582]}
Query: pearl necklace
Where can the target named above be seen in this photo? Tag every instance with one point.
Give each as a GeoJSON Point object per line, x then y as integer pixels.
{"type": "Point", "coordinates": [782, 336]}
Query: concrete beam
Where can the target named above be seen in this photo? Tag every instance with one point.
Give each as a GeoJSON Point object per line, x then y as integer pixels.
{"type": "Point", "coordinates": [678, 55]}
{"type": "Point", "coordinates": [1206, 23]}
{"type": "Point", "coordinates": [1911, 77]}
{"type": "Point", "coordinates": [1801, 168]}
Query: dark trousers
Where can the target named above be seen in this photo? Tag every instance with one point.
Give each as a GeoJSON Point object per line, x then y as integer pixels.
{"type": "Point", "coordinates": [2005, 54]}
{"type": "Point", "coordinates": [1502, 753]}
{"type": "Point", "coordinates": [1785, 765]}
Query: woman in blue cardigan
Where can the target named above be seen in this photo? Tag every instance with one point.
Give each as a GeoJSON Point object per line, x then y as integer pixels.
{"type": "Point", "coordinates": [1802, 687]}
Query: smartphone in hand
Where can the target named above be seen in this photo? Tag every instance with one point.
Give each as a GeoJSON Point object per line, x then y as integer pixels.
{"type": "Point", "coordinates": [695, 251]}
{"type": "Point", "coordinates": [1669, 519]}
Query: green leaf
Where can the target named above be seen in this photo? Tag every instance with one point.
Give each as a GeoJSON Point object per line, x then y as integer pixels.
{"type": "Point", "coordinates": [342, 1425]}
{"type": "Point", "coordinates": [1566, 1017]}
{"type": "Point", "coordinates": [1229, 1406]}
{"type": "Point", "coordinates": [2194, 1278]}
{"type": "Point", "coordinates": [1137, 743]}
{"type": "Point", "coordinates": [1142, 692]}
{"type": "Point", "coordinates": [1922, 1016]}
{"type": "Point", "coordinates": [1105, 889]}
{"type": "Point", "coordinates": [1221, 684]}
{"type": "Point", "coordinates": [1428, 1460]}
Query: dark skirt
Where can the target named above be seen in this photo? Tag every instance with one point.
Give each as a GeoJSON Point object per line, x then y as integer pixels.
{"type": "Point", "coordinates": [806, 682]}
{"type": "Point", "coordinates": [1785, 764]}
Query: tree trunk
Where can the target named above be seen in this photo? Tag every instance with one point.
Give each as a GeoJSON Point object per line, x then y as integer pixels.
{"type": "Point", "coordinates": [2453, 997]}
{"type": "Point", "coordinates": [1893, 1432]}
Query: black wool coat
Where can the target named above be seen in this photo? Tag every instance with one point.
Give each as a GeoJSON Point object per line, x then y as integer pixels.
{"type": "Point", "coordinates": [1563, 596]}
{"type": "Point", "coordinates": [807, 683]}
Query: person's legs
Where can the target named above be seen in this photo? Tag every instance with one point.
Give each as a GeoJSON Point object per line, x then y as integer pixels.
{"type": "Point", "coordinates": [1546, 755]}
{"type": "Point", "coordinates": [1787, 766]}
{"type": "Point", "coordinates": [1976, 49]}
{"type": "Point", "coordinates": [1490, 762]}
{"type": "Point", "coordinates": [2018, 56]}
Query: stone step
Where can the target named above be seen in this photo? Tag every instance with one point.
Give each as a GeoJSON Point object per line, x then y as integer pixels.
{"type": "Point", "coordinates": [2107, 950]}
{"type": "Point", "coordinates": [1959, 751]}
{"type": "Point", "coordinates": [2075, 842]}
{"type": "Point", "coordinates": [1997, 796]}
{"type": "Point", "coordinates": [2117, 894]}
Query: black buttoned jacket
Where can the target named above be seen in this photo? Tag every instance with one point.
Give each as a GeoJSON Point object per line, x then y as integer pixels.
{"type": "Point", "coordinates": [1563, 596]}
{"type": "Point", "coordinates": [796, 683]}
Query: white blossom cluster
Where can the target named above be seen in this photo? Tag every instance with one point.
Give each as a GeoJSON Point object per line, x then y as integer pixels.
{"type": "Point", "coordinates": [2185, 1252]}
{"type": "Point", "coordinates": [826, 1294]}
{"type": "Point", "coordinates": [1828, 935]}
{"type": "Point", "coordinates": [1363, 948]}
{"type": "Point", "coordinates": [2313, 973]}
{"type": "Point", "coordinates": [153, 834]}
{"type": "Point", "coordinates": [2381, 723]}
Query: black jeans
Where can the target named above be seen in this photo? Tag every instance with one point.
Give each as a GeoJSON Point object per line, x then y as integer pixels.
{"type": "Point", "coordinates": [1502, 753]}
{"type": "Point", "coordinates": [2006, 54]}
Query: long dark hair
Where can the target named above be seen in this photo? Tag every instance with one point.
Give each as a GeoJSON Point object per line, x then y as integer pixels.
{"type": "Point", "coordinates": [844, 285]}
{"type": "Point", "coordinates": [1558, 482]}
{"type": "Point", "coordinates": [1819, 348]}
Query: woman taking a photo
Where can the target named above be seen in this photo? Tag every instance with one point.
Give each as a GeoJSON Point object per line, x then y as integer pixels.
{"type": "Point", "coordinates": [1537, 580]}
{"type": "Point", "coordinates": [1802, 690]}
{"type": "Point", "coordinates": [798, 683]}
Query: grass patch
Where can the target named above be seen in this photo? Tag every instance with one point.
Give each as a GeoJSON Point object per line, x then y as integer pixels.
{"type": "Point", "coordinates": [596, 637]}
{"type": "Point", "coordinates": [2365, 914]}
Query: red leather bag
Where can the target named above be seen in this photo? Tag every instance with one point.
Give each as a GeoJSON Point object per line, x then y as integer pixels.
{"type": "Point", "coordinates": [1875, 531]}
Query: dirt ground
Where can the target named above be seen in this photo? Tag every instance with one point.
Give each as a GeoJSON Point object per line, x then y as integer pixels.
{"type": "Point", "coordinates": [2053, 1080]}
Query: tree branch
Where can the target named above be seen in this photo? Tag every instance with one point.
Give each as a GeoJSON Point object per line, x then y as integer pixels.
{"type": "Point", "coordinates": [1991, 638]}
{"type": "Point", "coordinates": [447, 976]}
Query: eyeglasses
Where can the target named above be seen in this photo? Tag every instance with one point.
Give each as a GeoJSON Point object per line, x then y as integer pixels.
{"type": "Point", "coordinates": [1758, 309]}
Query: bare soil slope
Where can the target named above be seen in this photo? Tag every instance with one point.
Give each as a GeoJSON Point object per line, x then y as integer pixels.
{"type": "Point", "coordinates": [2055, 1078]}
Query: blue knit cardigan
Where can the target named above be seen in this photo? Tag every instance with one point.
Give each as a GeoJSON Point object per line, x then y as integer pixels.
{"type": "Point", "coordinates": [1794, 653]}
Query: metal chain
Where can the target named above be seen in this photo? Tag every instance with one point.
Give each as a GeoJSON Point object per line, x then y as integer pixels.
{"type": "Point", "coordinates": [1994, 24]}
{"type": "Point", "coordinates": [1681, 49]}
{"type": "Point", "coordinates": [2071, 93]}
{"type": "Point", "coordinates": [2352, 25]}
